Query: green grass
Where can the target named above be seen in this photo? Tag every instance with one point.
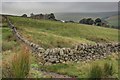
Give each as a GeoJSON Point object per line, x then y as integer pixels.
{"type": "Point", "coordinates": [108, 69]}
{"type": "Point", "coordinates": [56, 34]}
{"type": "Point", "coordinates": [95, 72]}
{"type": "Point", "coordinates": [8, 39]}
{"type": "Point", "coordinates": [10, 48]}
{"type": "Point", "coordinates": [81, 70]}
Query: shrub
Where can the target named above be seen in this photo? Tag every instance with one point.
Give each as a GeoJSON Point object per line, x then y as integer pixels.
{"type": "Point", "coordinates": [51, 16]}
{"type": "Point", "coordinates": [24, 15]}
{"type": "Point", "coordinates": [108, 69]}
{"type": "Point", "coordinates": [95, 73]}
{"type": "Point", "coordinates": [83, 21]}
{"type": "Point", "coordinates": [98, 20]}
{"type": "Point", "coordinates": [88, 21]}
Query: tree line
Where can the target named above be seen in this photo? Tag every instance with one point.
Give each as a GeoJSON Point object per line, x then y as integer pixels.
{"type": "Point", "coordinates": [90, 21]}
{"type": "Point", "coordinates": [97, 22]}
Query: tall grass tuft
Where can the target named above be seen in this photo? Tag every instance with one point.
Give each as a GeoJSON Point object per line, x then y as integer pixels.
{"type": "Point", "coordinates": [108, 69]}
{"type": "Point", "coordinates": [95, 73]}
{"type": "Point", "coordinates": [20, 64]}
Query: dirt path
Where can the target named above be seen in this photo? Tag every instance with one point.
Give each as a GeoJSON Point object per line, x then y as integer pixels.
{"type": "Point", "coordinates": [51, 74]}
{"type": "Point", "coordinates": [54, 75]}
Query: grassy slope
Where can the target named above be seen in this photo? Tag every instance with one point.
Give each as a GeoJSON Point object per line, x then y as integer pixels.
{"type": "Point", "coordinates": [56, 34]}
{"type": "Point", "coordinates": [7, 39]}
{"type": "Point", "coordinates": [10, 47]}
{"type": "Point", "coordinates": [52, 34]}
{"type": "Point", "coordinates": [113, 20]}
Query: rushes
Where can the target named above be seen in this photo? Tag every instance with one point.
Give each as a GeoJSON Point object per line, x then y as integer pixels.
{"type": "Point", "coordinates": [19, 66]}
{"type": "Point", "coordinates": [95, 72]}
{"type": "Point", "coordinates": [98, 72]}
{"type": "Point", "coordinates": [108, 69]}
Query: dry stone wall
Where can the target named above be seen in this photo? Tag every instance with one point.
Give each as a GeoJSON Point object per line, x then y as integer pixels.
{"type": "Point", "coordinates": [80, 52]}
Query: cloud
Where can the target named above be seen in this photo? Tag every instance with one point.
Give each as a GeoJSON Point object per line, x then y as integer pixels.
{"type": "Point", "coordinates": [20, 8]}
{"type": "Point", "coordinates": [60, 0]}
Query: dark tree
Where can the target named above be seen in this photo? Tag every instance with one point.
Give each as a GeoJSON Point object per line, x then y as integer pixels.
{"type": "Point", "coordinates": [24, 15]}
{"type": "Point", "coordinates": [89, 21]}
{"type": "Point", "coordinates": [83, 21]}
{"type": "Point", "coordinates": [51, 16]}
{"type": "Point", "coordinates": [98, 22]}
{"type": "Point", "coordinates": [31, 14]}
{"type": "Point", "coordinates": [71, 21]}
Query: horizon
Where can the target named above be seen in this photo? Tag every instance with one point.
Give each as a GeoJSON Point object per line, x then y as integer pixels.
{"type": "Point", "coordinates": [19, 8]}
{"type": "Point", "coordinates": [58, 13]}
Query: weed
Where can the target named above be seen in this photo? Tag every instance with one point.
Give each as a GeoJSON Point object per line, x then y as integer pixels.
{"type": "Point", "coordinates": [108, 69]}
{"type": "Point", "coordinates": [95, 72]}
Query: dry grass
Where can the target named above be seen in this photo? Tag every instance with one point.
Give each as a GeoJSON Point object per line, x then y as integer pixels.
{"type": "Point", "coordinates": [19, 65]}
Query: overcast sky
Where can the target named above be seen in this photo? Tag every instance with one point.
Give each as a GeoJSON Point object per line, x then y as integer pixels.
{"type": "Point", "coordinates": [60, 0]}
{"type": "Point", "coordinates": [20, 7]}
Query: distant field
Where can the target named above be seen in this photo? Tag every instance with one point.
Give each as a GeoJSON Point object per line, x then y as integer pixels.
{"type": "Point", "coordinates": [113, 20]}
{"type": "Point", "coordinates": [57, 34]}
{"type": "Point", "coordinates": [78, 16]}
{"type": "Point", "coordinates": [108, 16]}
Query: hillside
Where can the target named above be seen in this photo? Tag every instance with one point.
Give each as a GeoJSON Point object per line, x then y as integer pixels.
{"type": "Point", "coordinates": [113, 20]}
{"type": "Point", "coordinates": [77, 16]}
{"type": "Point", "coordinates": [56, 34]}
{"type": "Point", "coordinates": [51, 34]}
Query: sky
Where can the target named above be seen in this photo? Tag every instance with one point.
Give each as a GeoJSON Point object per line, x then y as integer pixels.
{"type": "Point", "coordinates": [19, 7]}
{"type": "Point", "coordinates": [60, 0]}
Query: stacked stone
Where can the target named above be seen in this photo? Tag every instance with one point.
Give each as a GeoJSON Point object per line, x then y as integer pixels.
{"type": "Point", "coordinates": [82, 52]}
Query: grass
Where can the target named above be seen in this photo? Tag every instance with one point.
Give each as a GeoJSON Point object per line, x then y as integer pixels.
{"type": "Point", "coordinates": [108, 69]}
{"type": "Point", "coordinates": [113, 20]}
{"type": "Point", "coordinates": [51, 34]}
{"type": "Point", "coordinates": [95, 72]}
{"type": "Point", "coordinates": [14, 59]}
{"type": "Point", "coordinates": [20, 65]}
{"type": "Point", "coordinates": [119, 67]}
{"type": "Point", "coordinates": [8, 39]}
{"type": "Point", "coordinates": [55, 34]}
{"type": "Point", "coordinates": [81, 69]}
